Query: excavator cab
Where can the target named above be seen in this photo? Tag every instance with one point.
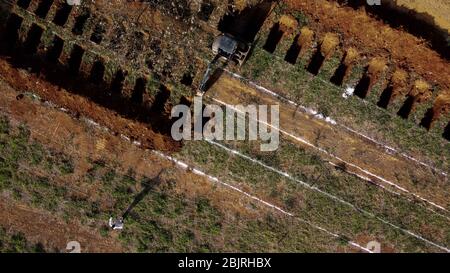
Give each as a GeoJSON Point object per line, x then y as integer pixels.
{"type": "Point", "coordinates": [226, 48]}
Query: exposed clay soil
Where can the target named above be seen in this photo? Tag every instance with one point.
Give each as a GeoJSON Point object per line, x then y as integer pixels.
{"type": "Point", "coordinates": [374, 38]}
{"type": "Point", "coordinates": [85, 143]}
{"type": "Point", "coordinates": [24, 81]}
{"type": "Point", "coordinates": [438, 10]}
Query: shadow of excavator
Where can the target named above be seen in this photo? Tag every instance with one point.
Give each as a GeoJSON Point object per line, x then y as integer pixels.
{"type": "Point", "coordinates": [149, 185]}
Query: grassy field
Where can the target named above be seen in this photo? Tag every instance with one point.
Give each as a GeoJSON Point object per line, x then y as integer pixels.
{"type": "Point", "coordinates": [168, 220]}
{"type": "Point", "coordinates": [165, 220]}
{"type": "Point", "coordinates": [294, 82]}
{"type": "Point", "coordinates": [317, 207]}
{"type": "Point", "coordinates": [17, 243]}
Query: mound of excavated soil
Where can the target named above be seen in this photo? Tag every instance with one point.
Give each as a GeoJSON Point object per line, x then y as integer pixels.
{"type": "Point", "coordinates": [438, 10]}
{"type": "Point", "coordinates": [373, 38]}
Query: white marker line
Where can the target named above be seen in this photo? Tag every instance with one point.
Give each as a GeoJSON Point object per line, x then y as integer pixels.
{"type": "Point", "coordinates": [390, 191]}
{"type": "Point", "coordinates": [365, 178]}
{"type": "Point", "coordinates": [330, 120]}
{"type": "Point", "coordinates": [196, 171]}
{"type": "Point", "coordinates": [314, 188]}
{"type": "Point", "coordinates": [302, 140]}
{"type": "Point", "coordinates": [182, 164]}
{"type": "Point", "coordinates": [185, 166]}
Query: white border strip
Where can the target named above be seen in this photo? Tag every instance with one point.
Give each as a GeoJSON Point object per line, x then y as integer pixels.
{"type": "Point", "coordinates": [314, 188]}
{"type": "Point", "coordinates": [196, 171]}
{"type": "Point", "coordinates": [302, 140]}
{"type": "Point", "coordinates": [315, 114]}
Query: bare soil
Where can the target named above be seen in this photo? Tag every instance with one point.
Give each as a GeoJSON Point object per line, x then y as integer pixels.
{"type": "Point", "coordinates": [85, 143]}
{"type": "Point", "coordinates": [374, 38]}
{"type": "Point", "coordinates": [24, 81]}
{"type": "Point", "coordinates": [343, 144]}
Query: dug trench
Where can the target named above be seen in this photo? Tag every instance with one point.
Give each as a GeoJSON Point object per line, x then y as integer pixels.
{"type": "Point", "coordinates": [421, 25]}
{"type": "Point", "coordinates": [84, 91]}
{"type": "Point", "coordinates": [246, 24]}
{"type": "Point", "coordinates": [95, 154]}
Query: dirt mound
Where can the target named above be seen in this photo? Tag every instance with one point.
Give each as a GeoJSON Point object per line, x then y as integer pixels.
{"type": "Point", "coordinates": [397, 88]}
{"type": "Point", "coordinates": [128, 102]}
{"type": "Point", "coordinates": [78, 105]}
{"type": "Point", "coordinates": [440, 108]}
{"type": "Point", "coordinates": [374, 38]}
{"type": "Point", "coordinates": [438, 10]}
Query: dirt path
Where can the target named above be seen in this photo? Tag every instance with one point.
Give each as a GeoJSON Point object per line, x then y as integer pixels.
{"type": "Point", "coordinates": [338, 146]}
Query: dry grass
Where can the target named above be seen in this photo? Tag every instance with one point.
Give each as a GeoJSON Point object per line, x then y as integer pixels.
{"type": "Point", "coordinates": [351, 56]}
{"type": "Point", "coordinates": [421, 90]}
{"type": "Point", "coordinates": [329, 43]}
{"type": "Point", "coordinates": [377, 66]}
{"type": "Point", "coordinates": [288, 23]}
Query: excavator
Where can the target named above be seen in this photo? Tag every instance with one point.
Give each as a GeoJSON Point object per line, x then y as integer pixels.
{"type": "Point", "coordinates": [226, 48]}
